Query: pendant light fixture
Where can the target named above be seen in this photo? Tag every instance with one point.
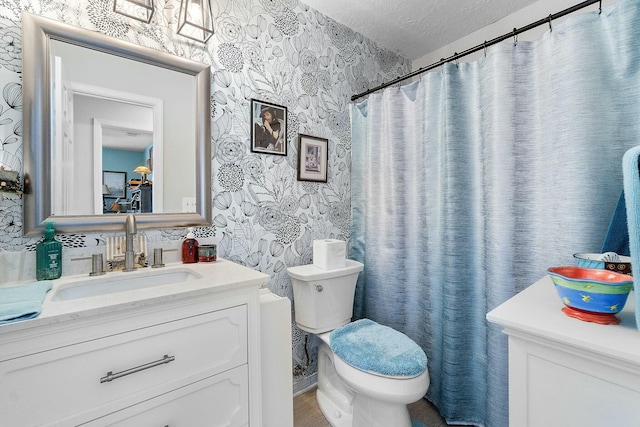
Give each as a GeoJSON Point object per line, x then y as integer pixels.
{"type": "Point", "coordinates": [195, 20]}
{"type": "Point", "coordinates": [142, 10]}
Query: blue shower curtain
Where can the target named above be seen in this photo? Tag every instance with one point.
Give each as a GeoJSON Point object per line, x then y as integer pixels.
{"type": "Point", "coordinates": [469, 183]}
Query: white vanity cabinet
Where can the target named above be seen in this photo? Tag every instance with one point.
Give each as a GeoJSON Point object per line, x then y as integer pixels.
{"type": "Point", "coordinates": [189, 357]}
{"type": "Point", "coordinates": [565, 372]}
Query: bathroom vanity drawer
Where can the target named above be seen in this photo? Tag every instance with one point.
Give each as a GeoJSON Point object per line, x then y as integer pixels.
{"type": "Point", "coordinates": [218, 401]}
{"type": "Point", "coordinates": [93, 378]}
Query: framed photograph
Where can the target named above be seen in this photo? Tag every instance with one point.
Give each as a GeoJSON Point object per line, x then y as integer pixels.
{"type": "Point", "coordinates": [150, 160]}
{"type": "Point", "coordinates": [115, 182]}
{"type": "Point", "coordinates": [268, 128]}
{"type": "Point", "coordinates": [313, 156]}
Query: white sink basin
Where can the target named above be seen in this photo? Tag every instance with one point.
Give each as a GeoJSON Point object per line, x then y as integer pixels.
{"type": "Point", "coordinates": [119, 282]}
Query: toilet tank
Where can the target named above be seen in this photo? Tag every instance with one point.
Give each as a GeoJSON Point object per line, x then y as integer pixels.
{"type": "Point", "coordinates": [323, 299]}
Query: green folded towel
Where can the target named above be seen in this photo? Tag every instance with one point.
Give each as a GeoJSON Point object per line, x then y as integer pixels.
{"type": "Point", "coordinates": [23, 301]}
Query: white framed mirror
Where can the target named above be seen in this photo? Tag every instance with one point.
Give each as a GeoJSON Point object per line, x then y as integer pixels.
{"type": "Point", "coordinates": [95, 104]}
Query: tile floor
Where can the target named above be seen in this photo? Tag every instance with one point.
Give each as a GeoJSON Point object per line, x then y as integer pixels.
{"type": "Point", "coordinates": [307, 414]}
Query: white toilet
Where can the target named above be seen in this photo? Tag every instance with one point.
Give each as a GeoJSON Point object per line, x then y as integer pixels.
{"type": "Point", "coordinates": [367, 373]}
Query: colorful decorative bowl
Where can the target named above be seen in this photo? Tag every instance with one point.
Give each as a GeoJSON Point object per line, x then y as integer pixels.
{"type": "Point", "coordinates": [606, 261]}
{"type": "Point", "coordinates": [591, 294]}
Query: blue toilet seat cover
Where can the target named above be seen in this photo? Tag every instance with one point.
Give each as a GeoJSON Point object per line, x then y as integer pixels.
{"type": "Point", "coordinates": [369, 346]}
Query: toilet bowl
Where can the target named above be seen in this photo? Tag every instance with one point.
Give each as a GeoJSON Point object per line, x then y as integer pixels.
{"type": "Point", "coordinates": [356, 391]}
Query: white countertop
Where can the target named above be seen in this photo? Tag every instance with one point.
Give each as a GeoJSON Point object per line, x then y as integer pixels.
{"type": "Point", "coordinates": [217, 277]}
{"type": "Point", "coordinates": [537, 311]}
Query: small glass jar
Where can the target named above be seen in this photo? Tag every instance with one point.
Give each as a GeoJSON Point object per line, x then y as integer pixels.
{"type": "Point", "coordinates": [207, 253]}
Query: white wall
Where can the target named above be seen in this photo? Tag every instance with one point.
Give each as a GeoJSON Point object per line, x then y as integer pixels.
{"type": "Point", "coordinates": [523, 17]}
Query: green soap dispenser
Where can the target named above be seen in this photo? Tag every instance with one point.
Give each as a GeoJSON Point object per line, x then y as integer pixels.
{"type": "Point", "coordinates": [48, 256]}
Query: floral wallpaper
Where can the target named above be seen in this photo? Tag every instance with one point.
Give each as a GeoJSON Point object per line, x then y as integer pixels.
{"type": "Point", "coordinates": [279, 51]}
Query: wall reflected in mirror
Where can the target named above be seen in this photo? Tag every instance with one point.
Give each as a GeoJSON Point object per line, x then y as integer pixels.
{"type": "Point", "coordinates": [116, 114]}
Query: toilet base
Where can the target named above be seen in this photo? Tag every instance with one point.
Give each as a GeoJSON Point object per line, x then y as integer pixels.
{"type": "Point", "coordinates": [336, 416]}
{"type": "Point", "coordinates": [369, 412]}
{"type": "Point", "coordinates": [343, 407]}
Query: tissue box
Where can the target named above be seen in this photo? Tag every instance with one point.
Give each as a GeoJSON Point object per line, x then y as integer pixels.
{"type": "Point", "coordinates": [329, 254]}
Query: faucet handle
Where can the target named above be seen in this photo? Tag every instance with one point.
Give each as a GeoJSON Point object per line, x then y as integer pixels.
{"type": "Point", "coordinates": [157, 258]}
{"type": "Point", "coordinates": [97, 265]}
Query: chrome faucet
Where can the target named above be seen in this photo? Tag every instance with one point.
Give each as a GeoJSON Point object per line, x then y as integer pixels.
{"type": "Point", "coordinates": [130, 229]}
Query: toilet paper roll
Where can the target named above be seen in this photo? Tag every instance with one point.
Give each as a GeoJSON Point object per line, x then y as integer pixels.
{"type": "Point", "coordinates": [329, 254]}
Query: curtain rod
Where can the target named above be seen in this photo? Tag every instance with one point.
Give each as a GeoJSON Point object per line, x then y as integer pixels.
{"type": "Point", "coordinates": [482, 46]}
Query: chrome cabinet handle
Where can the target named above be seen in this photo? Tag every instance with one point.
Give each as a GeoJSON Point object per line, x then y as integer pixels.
{"type": "Point", "coordinates": [111, 376]}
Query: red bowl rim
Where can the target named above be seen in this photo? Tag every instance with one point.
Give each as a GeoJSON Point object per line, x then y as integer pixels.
{"type": "Point", "coordinates": [572, 272]}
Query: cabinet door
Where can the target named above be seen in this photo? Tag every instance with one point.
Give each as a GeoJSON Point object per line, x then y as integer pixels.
{"type": "Point", "coordinates": [553, 385]}
{"type": "Point", "coordinates": [90, 379]}
{"type": "Point", "coordinates": [218, 401]}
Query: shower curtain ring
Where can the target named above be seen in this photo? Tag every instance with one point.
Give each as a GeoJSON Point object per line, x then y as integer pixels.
{"type": "Point", "coordinates": [515, 37]}
{"type": "Point", "coordinates": [600, 8]}
{"type": "Point", "coordinates": [455, 55]}
{"type": "Point", "coordinates": [550, 27]}
{"type": "Point", "coordinates": [485, 48]}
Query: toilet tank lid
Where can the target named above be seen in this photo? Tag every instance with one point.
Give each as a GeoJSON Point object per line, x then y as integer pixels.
{"type": "Point", "coordinates": [311, 272]}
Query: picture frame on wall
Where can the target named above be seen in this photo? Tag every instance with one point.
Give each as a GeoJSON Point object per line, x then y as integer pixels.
{"type": "Point", "coordinates": [116, 183]}
{"type": "Point", "coordinates": [313, 158]}
{"type": "Point", "coordinates": [150, 160]}
{"type": "Point", "coordinates": [268, 128]}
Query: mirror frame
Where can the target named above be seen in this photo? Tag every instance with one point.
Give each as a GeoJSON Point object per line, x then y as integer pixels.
{"type": "Point", "coordinates": [36, 75]}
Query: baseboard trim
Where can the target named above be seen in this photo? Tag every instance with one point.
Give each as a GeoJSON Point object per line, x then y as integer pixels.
{"type": "Point", "coordinates": [305, 384]}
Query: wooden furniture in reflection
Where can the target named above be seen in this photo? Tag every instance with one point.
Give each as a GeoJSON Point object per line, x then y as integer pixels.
{"type": "Point", "coordinates": [142, 198]}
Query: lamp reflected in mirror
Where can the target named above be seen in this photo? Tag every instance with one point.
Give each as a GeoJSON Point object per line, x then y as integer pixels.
{"type": "Point", "coordinates": [143, 171]}
{"type": "Point", "coordinates": [195, 20]}
{"type": "Point", "coordinates": [142, 10]}
{"type": "Point", "coordinates": [141, 194]}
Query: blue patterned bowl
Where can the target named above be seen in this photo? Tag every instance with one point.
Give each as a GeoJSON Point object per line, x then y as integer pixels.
{"type": "Point", "coordinates": [591, 290]}
{"type": "Point", "coordinates": [586, 260]}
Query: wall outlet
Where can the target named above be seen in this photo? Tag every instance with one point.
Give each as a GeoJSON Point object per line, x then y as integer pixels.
{"type": "Point", "coordinates": [188, 204]}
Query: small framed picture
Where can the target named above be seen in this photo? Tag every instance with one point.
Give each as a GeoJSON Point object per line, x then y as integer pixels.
{"type": "Point", "coordinates": [268, 128]}
{"type": "Point", "coordinates": [313, 156]}
{"type": "Point", "coordinates": [115, 182]}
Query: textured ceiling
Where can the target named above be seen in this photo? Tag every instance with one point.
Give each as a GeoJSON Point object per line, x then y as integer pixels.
{"type": "Point", "coordinates": [414, 28]}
